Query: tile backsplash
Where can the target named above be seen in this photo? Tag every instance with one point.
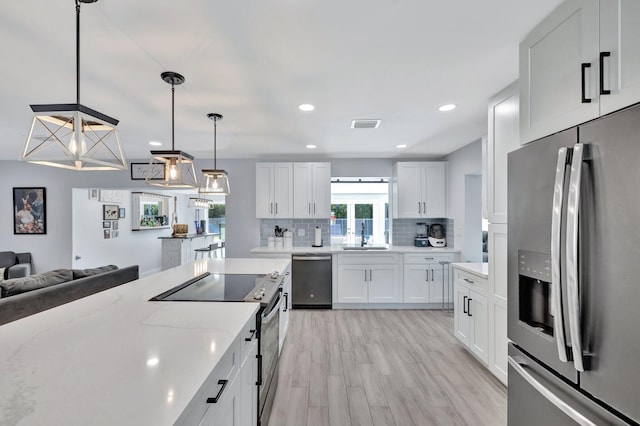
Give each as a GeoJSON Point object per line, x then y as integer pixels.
{"type": "Point", "coordinates": [404, 230]}
{"type": "Point", "coordinates": [309, 225]}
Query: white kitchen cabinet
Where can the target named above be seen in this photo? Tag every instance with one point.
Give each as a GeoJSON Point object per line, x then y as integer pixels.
{"type": "Point", "coordinates": [580, 62]}
{"type": "Point", "coordinates": [497, 300]}
{"type": "Point", "coordinates": [471, 313]}
{"type": "Point", "coordinates": [285, 307]}
{"type": "Point", "coordinates": [423, 277]}
{"type": "Point", "coordinates": [274, 190]}
{"type": "Point", "coordinates": [249, 397]}
{"type": "Point", "coordinates": [419, 189]}
{"type": "Point", "coordinates": [368, 279]}
{"type": "Point", "coordinates": [503, 137]}
{"type": "Point", "coordinates": [311, 190]}
{"type": "Point", "coordinates": [227, 410]}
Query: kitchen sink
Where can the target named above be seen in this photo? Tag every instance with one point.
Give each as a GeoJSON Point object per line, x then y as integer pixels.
{"type": "Point", "coordinates": [365, 248]}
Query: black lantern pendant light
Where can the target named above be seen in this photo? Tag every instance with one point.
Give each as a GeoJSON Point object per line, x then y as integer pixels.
{"type": "Point", "coordinates": [178, 165]}
{"type": "Point", "coordinates": [214, 181]}
{"type": "Point", "coordinates": [73, 136]}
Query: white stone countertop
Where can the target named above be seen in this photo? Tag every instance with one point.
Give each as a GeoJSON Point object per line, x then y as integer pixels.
{"type": "Point", "coordinates": [114, 358]}
{"type": "Point", "coordinates": [480, 269]}
{"type": "Point", "coordinates": [339, 249]}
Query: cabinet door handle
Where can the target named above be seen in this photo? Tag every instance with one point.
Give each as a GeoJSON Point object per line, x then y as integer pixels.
{"type": "Point", "coordinates": [428, 258]}
{"type": "Point", "coordinates": [276, 208]}
{"type": "Point", "coordinates": [365, 275]}
{"type": "Point", "coordinates": [215, 399]}
{"type": "Point", "coordinates": [469, 306]}
{"type": "Point", "coordinates": [370, 274]}
{"type": "Point", "coordinates": [427, 271]}
{"type": "Point", "coordinates": [271, 208]}
{"type": "Point", "coordinates": [314, 208]}
{"type": "Point", "coordinates": [259, 358]}
{"type": "Point", "coordinates": [432, 274]}
{"type": "Point", "coordinates": [602, 89]}
{"type": "Point", "coordinates": [286, 302]}
{"type": "Point", "coordinates": [424, 207]}
{"type": "Point", "coordinates": [468, 280]}
{"type": "Point", "coordinates": [251, 334]}
{"type": "Point", "coordinates": [464, 305]}
{"type": "Point", "coordinates": [583, 68]}
{"type": "Point", "coordinates": [309, 208]}
{"type": "Point", "coordinates": [419, 207]}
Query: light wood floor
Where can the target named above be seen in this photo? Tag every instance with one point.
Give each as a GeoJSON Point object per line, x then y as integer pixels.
{"type": "Point", "coordinates": [382, 367]}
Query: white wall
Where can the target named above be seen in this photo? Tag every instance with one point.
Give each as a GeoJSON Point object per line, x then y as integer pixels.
{"type": "Point", "coordinates": [472, 244]}
{"type": "Point", "coordinates": [467, 160]}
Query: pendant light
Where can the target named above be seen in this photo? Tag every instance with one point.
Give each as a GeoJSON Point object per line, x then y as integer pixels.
{"type": "Point", "coordinates": [178, 165]}
{"type": "Point", "coordinates": [73, 136]}
{"type": "Point", "coordinates": [214, 181]}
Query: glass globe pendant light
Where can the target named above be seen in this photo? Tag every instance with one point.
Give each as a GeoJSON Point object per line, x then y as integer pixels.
{"type": "Point", "coordinates": [73, 136]}
{"type": "Point", "coordinates": [178, 170]}
{"type": "Point", "coordinates": [214, 181]}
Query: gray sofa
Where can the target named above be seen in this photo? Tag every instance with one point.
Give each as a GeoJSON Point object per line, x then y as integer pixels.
{"type": "Point", "coordinates": [26, 296]}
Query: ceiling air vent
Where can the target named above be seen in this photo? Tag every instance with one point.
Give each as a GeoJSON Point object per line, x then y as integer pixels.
{"type": "Point", "coordinates": [365, 124]}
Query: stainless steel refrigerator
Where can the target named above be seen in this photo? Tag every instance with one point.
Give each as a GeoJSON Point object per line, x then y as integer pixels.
{"type": "Point", "coordinates": [574, 276]}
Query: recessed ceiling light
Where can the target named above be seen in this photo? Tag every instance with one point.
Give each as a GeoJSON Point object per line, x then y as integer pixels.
{"type": "Point", "coordinates": [306, 107]}
{"type": "Point", "coordinates": [447, 107]}
{"type": "Point", "coordinates": [155, 143]}
{"type": "Point", "coordinates": [311, 146]}
{"type": "Point", "coordinates": [365, 124]}
{"type": "Point", "coordinates": [401, 146]}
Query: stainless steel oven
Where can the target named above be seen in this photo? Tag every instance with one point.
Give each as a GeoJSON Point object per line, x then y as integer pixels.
{"type": "Point", "coordinates": [263, 289]}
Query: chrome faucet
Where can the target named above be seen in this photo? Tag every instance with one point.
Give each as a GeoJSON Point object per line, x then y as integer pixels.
{"type": "Point", "coordinates": [362, 241]}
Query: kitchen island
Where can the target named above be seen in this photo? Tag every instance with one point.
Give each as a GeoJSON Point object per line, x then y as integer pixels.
{"type": "Point", "coordinates": [116, 358]}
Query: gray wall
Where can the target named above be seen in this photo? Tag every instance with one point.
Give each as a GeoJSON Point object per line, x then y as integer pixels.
{"type": "Point", "coordinates": [466, 160]}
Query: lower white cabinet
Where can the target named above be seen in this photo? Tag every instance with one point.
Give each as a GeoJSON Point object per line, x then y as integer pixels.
{"type": "Point", "coordinates": [425, 279]}
{"type": "Point", "coordinates": [285, 307]}
{"type": "Point", "coordinates": [229, 395]}
{"type": "Point", "coordinates": [471, 313]}
{"type": "Point", "coordinates": [368, 279]}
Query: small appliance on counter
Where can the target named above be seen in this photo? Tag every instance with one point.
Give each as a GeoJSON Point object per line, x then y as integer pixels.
{"type": "Point", "coordinates": [317, 240]}
{"type": "Point", "coordinates": [421, 239]}
{"type": "Point", "coordinates": [436, 235]}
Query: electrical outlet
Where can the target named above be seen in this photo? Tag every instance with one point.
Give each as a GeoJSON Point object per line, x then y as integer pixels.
{"type": "Point", "coordinates": [301, 232]}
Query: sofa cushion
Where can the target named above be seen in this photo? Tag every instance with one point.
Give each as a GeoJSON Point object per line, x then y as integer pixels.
{"type": "Point", "coordinates": [33, 282]}
{"type": "Point", "coordinates": [82, 273]}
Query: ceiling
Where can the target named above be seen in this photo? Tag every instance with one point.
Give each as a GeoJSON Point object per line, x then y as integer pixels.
{"type": "Point", "coordinates": [255, 61]}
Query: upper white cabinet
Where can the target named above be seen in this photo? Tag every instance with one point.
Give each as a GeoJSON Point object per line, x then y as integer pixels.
{"type": "Point", "coordinates": [503, 137]}
{"type": "Point", "coordinates": [274, 190]}
{"type": "Point", "coordinates": [580, 62]}
{"type": "Point", "coordinates": [419, 189]}
{"type": "Point", "coordinates": [311, 190]}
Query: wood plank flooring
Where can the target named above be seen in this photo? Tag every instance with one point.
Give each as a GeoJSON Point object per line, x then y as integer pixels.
{"type": "Point", "coordinates": [382, 367]}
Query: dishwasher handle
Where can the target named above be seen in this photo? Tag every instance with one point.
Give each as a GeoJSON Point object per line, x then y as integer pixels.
{"type": "Point", "coordinates": [310, 257]}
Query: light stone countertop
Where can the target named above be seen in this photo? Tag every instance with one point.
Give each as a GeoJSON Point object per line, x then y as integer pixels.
{"type": "Point", "coordinates": [480, 269]}
{"type": "Point", "coordinates": [115, 358]}
{"type": "Point", "coordinates": [338, 249]}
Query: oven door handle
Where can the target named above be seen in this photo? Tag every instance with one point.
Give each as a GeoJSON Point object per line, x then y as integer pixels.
{"type": "Point", "coordinates": [274, 311]}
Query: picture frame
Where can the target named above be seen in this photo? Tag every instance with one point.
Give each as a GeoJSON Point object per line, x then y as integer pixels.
{"type": "Point", "coordinates": [114, 234]}
{"type": "Point", "coordinates": [114, 225]}
{"type": "Point", "coordinates": [94, 193]}
{"type": "Point", "coordinates": [107, 233]}
{"type": "Point", "coordinates": [106, 224]}
{"type": "Point", "coordinates": [29, 211]}
{"type": "Point", "coordinates": [121, 213]}
{"type": "Point", "coordinates": [139, 171]}
{"type": "Point", "coordinates": [109, 212]}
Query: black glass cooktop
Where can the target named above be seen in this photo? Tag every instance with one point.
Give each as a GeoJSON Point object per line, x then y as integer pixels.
{"type": "Point", "coordinates": [213, 288]}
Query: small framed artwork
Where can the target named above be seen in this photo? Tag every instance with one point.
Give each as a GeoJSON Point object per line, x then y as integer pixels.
{"type": "Point", "coordinates": [29, 211]}
{"type": "Point", "coordinates": [109, 212]}
{"type": "Point", "coordinates": [93, 194]}
{"type": "Point", "coordinates": [107, 234]}
{"type": "Point", "coordinates": [114, 234]}
{"type": "Point", "coordinates": [139, 171]}
{"type": "Point", "coordinates": [106, 224]}
{"type": "Point", "coordinates": [121, 213]}
{"type": "Point", "coordinates": [114, 224]}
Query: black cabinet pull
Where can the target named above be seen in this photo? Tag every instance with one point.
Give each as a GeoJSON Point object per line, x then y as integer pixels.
{"type": "Point", "coordinates": [584, 66]}
{"type": "Point", "coordinates": [602, 89]}
{"type": "Point", "coordinates": [469, 306]}
{"type": "Point", "coordinates": [252, 333]}
{"type": "Point", "coordinates": [464, 305]}
{"type": "Point", "coordinates": [286, 302]}
{"type": "Point", "coordinates": [222, 382]}
{"type": "Point", "coordinates": [259, 358]}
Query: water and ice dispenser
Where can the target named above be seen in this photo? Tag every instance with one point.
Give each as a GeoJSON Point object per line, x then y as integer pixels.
{"type": "Point", "coordinates": [534, 290]}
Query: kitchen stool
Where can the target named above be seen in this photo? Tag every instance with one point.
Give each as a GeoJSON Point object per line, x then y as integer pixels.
{"type": "Point", "coordinates": [208, 249]}
{"type": "Point", "coordinates": [446, 263]}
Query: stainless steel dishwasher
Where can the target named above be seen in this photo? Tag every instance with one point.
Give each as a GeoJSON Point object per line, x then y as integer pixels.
{"type": "Point", "coordinates": [311, 281]}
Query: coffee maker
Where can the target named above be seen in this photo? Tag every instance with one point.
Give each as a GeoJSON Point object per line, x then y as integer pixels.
{"type": "Point", "coordinates": [421, 239]}
{"type": "Point", "coordinates": [436, 235]}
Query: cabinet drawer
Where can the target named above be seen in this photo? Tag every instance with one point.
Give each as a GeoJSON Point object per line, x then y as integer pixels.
{"type": "Point", "coordinates": [226, 369]}
{"type": "Point", "coordinates": [428, 257]}
{"type": "Point", "coordinates": [471, 281]}
{"type": "Point", "coordinates": [366, 259]}
{"type": "Point", "coordinates": [248, 337]}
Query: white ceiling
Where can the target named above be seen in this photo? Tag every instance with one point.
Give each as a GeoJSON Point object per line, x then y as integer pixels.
{"type": "Point", "coordinates": [255, 61]}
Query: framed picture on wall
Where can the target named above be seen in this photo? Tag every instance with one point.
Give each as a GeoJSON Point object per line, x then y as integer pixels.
{"type": "Point", "coordinates": [29, 211]}
{"type": "Point", "coordinates": [106, 224]}
{"type": "Point", "coordinates": [107, 233]}
{"type": "Point", "coordinates": [114, 225]}
{"type": "Point", "coordinates": [110, 212]}
{"type": "Point", "coordinates": [139, 171]}
{"type": "Point", "coordinates": [121, 213]}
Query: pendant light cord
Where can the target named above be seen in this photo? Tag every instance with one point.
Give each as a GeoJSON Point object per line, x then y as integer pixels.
{"type": "Point", "coordinates": [215, 132]}
{"type": "Point", "coordinates": [78, 52]}
{"type": "Point", "coordinates": [173, 125]}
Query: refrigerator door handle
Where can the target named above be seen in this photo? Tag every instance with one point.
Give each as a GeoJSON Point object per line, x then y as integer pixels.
{"type": "Point", "coordinates": [556, 220]}
{"type": "Point", "coordinates": [549, 395]}
{"type": "Point", "coordinates": [573, 286]}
